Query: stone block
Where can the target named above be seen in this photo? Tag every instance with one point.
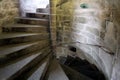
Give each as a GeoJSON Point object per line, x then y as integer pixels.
{"type": "Point", "coordinates": [53, 17]}
{"type": "Point", "coordinates": [95, 50]}
{"type": "Point", "coordinates": [92, 41]}
{"type": "Point", "coordinates": [100, 41]}
{"type": "Point", "coordinates": [78, 38]}
{"type": "Point", "coordinates": [80, 20]}
{"type": "Point", "coordinates": [53, 30]}
{"type": "Point", "coordinates": [78, 26]}
{"type": "Point", "coordinates": [53, 24]}
{"type": "Point", "coordinates": [67, 28]}
{"type": "Point", "coordinates": [84, 48]}
{"type": "Point", "coordinates": [53, 10]}
{"type": "Point", "coordinates": [111, 43]}
{"type": "Point", "coordinates": [93, 30]}
{"type": "Point", "coordinates": [87, 34]}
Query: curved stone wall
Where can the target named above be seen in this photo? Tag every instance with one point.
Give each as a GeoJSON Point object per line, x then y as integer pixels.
{"type": "Point", "coordinates": [93, 27]}
{"type": "Point", "coordinates": [94, 31]}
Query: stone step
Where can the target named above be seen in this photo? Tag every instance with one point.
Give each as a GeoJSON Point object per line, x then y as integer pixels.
{"type": "Point", "coordinates": [55, 72]}
{"type": "Point", "coordinates": [8, 71]}
{"type": "Point", "coordinates": [25, 28]}
{"type": "Point", "coordinates": [38, 15]}
{"type": "Point", "coordinates": [15, 38]}
{"type": "Point", "coordinates": [38, 71]}
{"type": "Point", "coordinates": [11, 52]}
{"type": "Point", "coordinates": [74, 75]}
{"type": "Point", "coordinates": [25, 73]}
{"type": "Point", "coordinates": [32, 21]}
{"type": "Point", "coordinates": [42, 10]}
{"type": "Point", "coordinates": [51, 57]}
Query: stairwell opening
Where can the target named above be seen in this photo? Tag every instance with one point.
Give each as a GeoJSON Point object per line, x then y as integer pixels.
{"type": "Point", "coordinates": [82, 67]}
{"type": "Point", "coordinates": [33, 6]}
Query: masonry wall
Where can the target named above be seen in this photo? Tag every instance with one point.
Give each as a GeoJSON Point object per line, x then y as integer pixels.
{"type": "Point", "coordinates": [95, 33]}
{"type": "Point", "coordinates": [8, 11]}
{"type": "Point", "coordinates": [92, 27]}
{"type": "Point", "coordinates": [64, 16]}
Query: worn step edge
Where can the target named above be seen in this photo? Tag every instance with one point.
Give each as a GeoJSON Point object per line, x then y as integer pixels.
{"type": "Point", "coordinates": [16, 56]}
{"type": "Point", "coordinates": [19, 75]}
{"type": "Point", "coordinates": [42, 10]}
{"type": "Point", "coordinates": [22, 38]}
{"type": "Point", "coordinates": [9, 58]}
{"type": "Point", "coordinates": [8, 71]}
{"type": "Point", "coordinates": [13, 48]}
{"type": "Point", "coordinates": [38, 15]}
{"type": "Point", "coordinates": [13, 35]}
{"type": "Point", "coordinates": [53, 73]}
{"type": "Point", "coordinates": [23, 25]}
{"type": "Point", "coordinates": [40, 69]}
{"type": "Point", "coordinates": [35, 19]}
{"type": "Point", "coordinates": [25, 29]}
{"type": "Point", "coordinates": [47, 66]}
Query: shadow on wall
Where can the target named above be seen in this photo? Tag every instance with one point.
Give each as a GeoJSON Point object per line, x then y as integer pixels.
{"type": "Point", "coordinates": [32, 5]}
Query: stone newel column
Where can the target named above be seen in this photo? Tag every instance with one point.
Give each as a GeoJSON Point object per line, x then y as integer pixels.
{"type": "Point", "coordinates": [53, 21]}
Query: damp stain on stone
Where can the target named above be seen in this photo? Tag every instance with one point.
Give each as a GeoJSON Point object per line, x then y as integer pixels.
{"type": "Point", "coordinates": [84, 5]}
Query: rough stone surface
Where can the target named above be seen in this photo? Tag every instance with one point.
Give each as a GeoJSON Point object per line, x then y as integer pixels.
{"type": "Point", "coordinates": [93, 30]}
{"type": "Point", "coordinates": [96, 25]}
{"type": "Point", "coordinates": [8, 10]}
{"type": "Point", "coordinates": [80, 19]}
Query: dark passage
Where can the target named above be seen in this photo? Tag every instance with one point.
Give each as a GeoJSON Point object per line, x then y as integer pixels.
{"type": "Point", "coordinates": [84, 67]}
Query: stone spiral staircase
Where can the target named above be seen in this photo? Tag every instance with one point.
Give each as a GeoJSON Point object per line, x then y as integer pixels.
{"type": "Point", "coordinates": [26, 54]}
